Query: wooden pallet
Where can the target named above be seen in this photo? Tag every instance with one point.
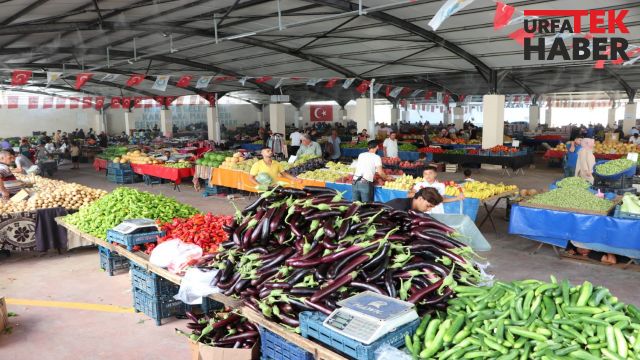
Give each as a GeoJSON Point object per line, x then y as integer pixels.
{"type": "Point", "coordinates": [319, 352]}
{"type": "Point", "coordinates": [584, 259]}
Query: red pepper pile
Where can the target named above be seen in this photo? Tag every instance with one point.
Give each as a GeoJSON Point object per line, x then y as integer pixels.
{"type": "Point", "coordinates": [431, 149]}
{"type": "Point", "coordinates": [203, 230]}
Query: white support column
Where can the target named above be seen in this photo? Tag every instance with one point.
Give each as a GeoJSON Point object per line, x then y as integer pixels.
{"type": "Point", "coordinates": [534, 117]}
{"type": "Point", "coordinates": [458, 117]}
{"type": "Point", "coordinates": [213, 125]}
{"type": "Point", "coordinates": [99, 123]}
{"type": "Point", "coordinates": [547, 116]}
{"type": "Point", "coordinates": [128, 123]}
{"type": "Point", "coordinates": [296, 118]}
{"type": "Point", "coordinates": [395, 116]}
{"type": "Point", "coordinates": [260, 117]}
{"type": "Point", "coordinates": [611, 120]}
{"type": "Point", "coordinates": [166, 125]}
{"type": "Point", "coordinates": [343, 116]}
{"type": "Point", "coordinates": [276, 118]}
{"type": "Point", "coordinates": [363, 115]}
{"type": "Point", "coordinates": [493, 121]}
{"type": "Point", "coordinates": [629, 117]}
{"type": "Point", "coordinates": [445, 115]}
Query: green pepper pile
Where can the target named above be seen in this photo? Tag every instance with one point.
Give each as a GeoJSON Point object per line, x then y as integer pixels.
{"type": "Point", "coordinates": [530, 319]}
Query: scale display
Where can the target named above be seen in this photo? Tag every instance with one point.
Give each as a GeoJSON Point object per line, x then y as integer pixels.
{"type": "Point", "coordinates": [131, 225]}
{"type": "Point", "coordinates": [367, 316]}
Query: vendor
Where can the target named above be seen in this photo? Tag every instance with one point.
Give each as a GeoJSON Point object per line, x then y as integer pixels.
{"type": "Point", "coordinates": [586, 161]}
{"type": "Point", "coordinates": [23, 164]}
{"type": "Point", "coordinates": [167, 156]}
{"type": "Point", "coordinates": [573, 148]}
{"type": "Point", "coordinates": [308, 147]}
{"type": "Point", "coordinates": [634, 139]}
{"type": "Point", "coordinates": [368, 164]}
{"type": "Point", "coordinates": [270, 167]}
{"type": "Point", "coordinates": [25, 147]}
{"type": "Point", "coordinates": [423, 201]}
{"type": "Point", "coordinates": [5, 173]}
{"type": "Point", "coordinates": [390, 146]}
{"type": "Point", "coordinates": [429, 174]}
{"type": "Point", "coordinates": [333, 146]}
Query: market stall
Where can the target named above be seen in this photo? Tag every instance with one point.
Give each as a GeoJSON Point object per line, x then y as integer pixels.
{"type": "Point", "coordinates": [514, 162]}
{"type": "Point", "coordinates": [174, 175]}
{"type": "Point", "coordinates": [100, 164]}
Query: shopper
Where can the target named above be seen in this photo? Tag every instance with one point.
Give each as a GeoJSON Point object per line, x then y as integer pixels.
{"type": "Point", "coordinates": [634, 139]}
{"type": "Point", "coordinates": [430, 174]}
{"type": "Point", "coordinates": [167, 156]}
{"type": "Point", "coordinates": [308, 147]}
{"type": "Point", "coordinates": [368, 164]}
{"type": "Point", "coordinates": [25, 147]}
{"type": "Point", "coordinates": [50, 147]}
{"type": "Point", "coordinates": [5, 145]}
{"type": "Point", "coordinates": [423, 201]}
{"type": "Point", "coordinates": [5, 173]}
{"type": "Point", "coordinates": [467, 176]}
{"type": "Point", "coordinates": [390, 146]}
{"type": "Point", "coordinates": [295, 138]}
{"type": "Point", "coordinates": [573, 148]}
{"type": "Point", "coordinates": [270, 167]}
{"type": "Point", "coordinates": [103, 140]}
{"type": "Point", "coordinates": [23, 164]}
{"type": "Point", "coordinates": [426, 140]}
{"type": "Point", "coordinates": [75, 155]}
{"type": "Point", "coordinates": [363, 136]}
{"type": "Point", "coordinates": [586, 160]}
{"type": "Point", "coordinates": [333, 146]}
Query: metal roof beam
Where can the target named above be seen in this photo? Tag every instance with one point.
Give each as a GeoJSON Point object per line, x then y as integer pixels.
{"type": "Point", "coordinates": [24, 11]}
{"type": "Point", "coordinates": [631, 92]}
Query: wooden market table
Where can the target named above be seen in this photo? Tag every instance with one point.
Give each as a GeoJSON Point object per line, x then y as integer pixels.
{"type": "Point", "coordinates": [141, 259]}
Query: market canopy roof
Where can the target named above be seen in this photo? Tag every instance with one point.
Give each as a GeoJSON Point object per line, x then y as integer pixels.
{"type": "Point", "coordinates": [318, 39]}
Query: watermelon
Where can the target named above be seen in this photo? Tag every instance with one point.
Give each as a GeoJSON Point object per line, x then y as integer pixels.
{"type": "Point", "coordinates": [264, 179]}
{"type": "Point", "coordinates": [199, 161]}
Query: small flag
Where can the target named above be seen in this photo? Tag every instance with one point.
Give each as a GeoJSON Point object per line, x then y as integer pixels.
{"type": "Point", "coordinates": [313, 82]}
{"type": "Point", "coordinates": [243, 80]}
{"type": "Point", "coordinates": [376, 88]}
{"type": "Point", "coordinates": [413, 106]}
{"type": "Point", "coordinates": [263, 79]}
{"type": "Point", "coordinates": [184, 81]}
{"type": "Point", "coordinates": [403, 102]}
{"type": "Point", "coordinates": [295, 78]}
{"type": "Point", "coordinates": [159, 101]}
{"type": "Point", "coordinates": [126, 102]}
{"type": "Point", "coordinates": [61, 103]}
{"type": "Point", "coordinates": [447, 10]}
{"type": "Point", "coordinates": [86, 102]}
{"type": "Point", "coordinates": [135, 80]}
{"type": "Point", "coordinates": [82, 79]}
{"type": "Point", "coordinates": [519, 36]}
{"type": "Point", "coordinates": [423, 107]}
{"type": "Point", "coordinates": [279, 84]}
{"type": "Point", "coordinates": [137, 102]}
{"type": "Point", "coordinates": [99, 102]}
{"type": "Point", "coordinates": [110, 77]}
{"type": "Point", "coordinates": [331, 83]}
{"type": "Point", "coordinates": [73, 103]}
{"type": "Point", "coordinates": [395, 92]}
{"type": "Point", "coordinates": [503, 14]}
{"type": "Point", "coordinates": [416, 93]}
{"type": "Point", "coordinates": [445, 99]}
{"type": "Point", "coordinates": [161, 82]}
{"type": "Point", "coordinates": [20, 77]}
{"type": "Point", "coordinates": [387, 90]}
{"type": "Point", "coordinates": [47, 102]}
{"type": "Point", "coordinates": [33, 102]}
{"type": "Point", "coordinates": [363, 86]}
{"type": "Point", "coordinates": [115, 102]}
{"type": "Point", "coordinates": [52, 76]}
{"type": "Point", "coordinates": [347, 83]}
{"type": "Point", "coordinates": [461, 98]}
{"type": "Point", "coordinates": [13, 102]}
{"type": "Point", "coordinates": [405, 91]}
{"type": "Point", "coordinates": [203, 82]}
{"type": "Point", "coordinates": [428, 94]}
{"type": "Point", "coordinates": [168, 100]}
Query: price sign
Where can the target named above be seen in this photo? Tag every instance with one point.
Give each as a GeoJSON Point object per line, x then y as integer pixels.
{"type": "Point", "coordinates": [632, 157]}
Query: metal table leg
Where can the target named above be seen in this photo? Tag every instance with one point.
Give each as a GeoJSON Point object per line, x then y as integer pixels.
{"type": "Point", "coordinates": [489, 213]}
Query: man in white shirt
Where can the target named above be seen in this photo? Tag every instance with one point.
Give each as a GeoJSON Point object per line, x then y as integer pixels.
{"type": "Point", "coordinates": [634, 139]}
{"type": "Point", "coordinates": [390, 146]}
{"type": "Point", "coordinates": [429, 174]}
{"type": "Point", "coordinates": [368, 164]}
{"type": "Point", "coordinates": [295, 138]}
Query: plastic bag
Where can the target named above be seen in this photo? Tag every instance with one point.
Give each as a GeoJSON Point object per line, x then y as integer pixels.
{"type": "Point", "coordinates": [388, 352]}
{"type": "Point", "coordinates": [175, 255]}
{"type": "Point", "coordinates": [194, 285]}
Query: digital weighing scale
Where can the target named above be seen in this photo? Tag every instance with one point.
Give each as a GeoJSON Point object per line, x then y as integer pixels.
{"type": "Point", "coordinates": [367, 316]}
{"type": "Point", "coordinates": [132, 226]}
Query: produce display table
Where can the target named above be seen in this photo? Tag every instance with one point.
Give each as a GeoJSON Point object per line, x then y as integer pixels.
{"type": "Point", "coordinates": [595, 232]}
{"type": "Point", "coordinates": [174, 175]}
{"type": "Point", "coordinates": [240, 180]}
{"type": "Point", "coordinates": [100, 164]}
{"type": "Point", "coordinates": [403, 155]}
{"type": "Point", "coordinates": [316, 350]}
{"type": "Point", "coordinates": [351, 152]}
{"type": "Point", "coordinates": [458, 146]}
{"type": "Point", "coordinates": [251, 147]}
{"type": "Point", "coordinates": [512, 162]}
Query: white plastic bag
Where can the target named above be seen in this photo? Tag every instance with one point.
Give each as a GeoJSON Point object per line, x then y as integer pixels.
{"type": "Point", "coordinates": [175, 255]}
{"type": "Point", "coordinates": [194, 285]}
{"type": "Point", "coordinates": [388, 352]}
{"type": "Point", "coordinates": [163, 254]}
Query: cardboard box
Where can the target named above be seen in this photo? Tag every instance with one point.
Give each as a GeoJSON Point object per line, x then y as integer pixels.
{"type": "Point", "coordinates": [4, 318]}
{"type": "Point", "coordinates": [200, 351]}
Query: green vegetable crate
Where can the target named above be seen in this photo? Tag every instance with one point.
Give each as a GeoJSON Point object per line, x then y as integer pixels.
{"type": "Point", "coordinates": [275, 347]}
{"type": "Point", "coordinates": [311, 327]}
{"type": "Point", "coordinates": [131, 240]}
{"type": "Point", "coordinates": [111, 262]}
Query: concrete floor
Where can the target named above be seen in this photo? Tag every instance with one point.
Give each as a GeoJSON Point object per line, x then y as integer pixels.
{"type": "Point", "coordinates": [71, 333]}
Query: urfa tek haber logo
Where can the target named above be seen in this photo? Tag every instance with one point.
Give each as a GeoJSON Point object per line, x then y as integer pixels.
{"type": "Point", "coordinates": [584, 47]}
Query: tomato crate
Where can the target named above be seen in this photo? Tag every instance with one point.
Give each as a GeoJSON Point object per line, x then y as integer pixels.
{"type": "Point", "coordinates": [625, 215]}
{"type": "Point", "coordinates": [157, 308]}
{"type": "Point", "coordinates": [131, 240]}
{"type": "Point", "coordinates": [275, 347]}
{"type": "Point", "coordinates": [111, 261]}
{"type": "Point", "coordinates": [151, 283]}
{"type": "Point", "coordinates": [311, 327]}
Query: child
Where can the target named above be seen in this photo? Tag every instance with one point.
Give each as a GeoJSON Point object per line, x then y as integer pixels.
{"type": "Point", "coordinates": [467, 176]}
{"type": "Point", "coordinates": [75, 155]}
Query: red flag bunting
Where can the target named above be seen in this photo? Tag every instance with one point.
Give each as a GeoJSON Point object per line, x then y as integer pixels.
{"type": "Point", "coordinates": [99, 102]}
{"type": "Point", "coordinates": [423, 107]}
{"type": "Point", "coordinates": [428, 94]}
{"type": "Point", "coordinates": [73, 103]}
{"type": "Point", "coordinates": [445, 99]}
{"type": "Point", "coordinates": [516, 98]}
{"type": "Point", "coordinates": [519, 36]}
{"type": "Point", "coordinates": [148, 103]}
{"type": "Point", "coordinates": [405, 91]}
{"type": "Point", "coordinates": [168, 100]}
{"type": "Point", "coordinates": [20, 77]}
{"type": "Point", "coordinates": [86, 102]}
{"type": "Point", "coordinates": [159, 101]}
{"type": "Point", "coordinates": [387, 90]}
{"type": "Point", "coordinates": [115, 102]}
{"type": "Point", "coordinates": [137, 102]}
{"type": "Point", "coordinates": [82, 79]}
{"type": "Point", "coordinates": [211, 98]}
{"type": "Point", "coordinates": [331, 83]}
{"type": "Point", "coordinates": [364, 85]}
{"type": "Point", "coordinates": [135, 80]}
{"type": "Point", "coordinates": [503, 14]}
{"type": "Point", "coordinates": [126, 102]}
{"type": "Point", "coordinates": [184, 81]}
{"type": "Point", "coordinates": [461, 98]}
{"type": "Point", "coordinates": [13, 102]}
{"type": "Point", "coordinates": [61, 103]}
{"type": "Point", "coordinates": [262, 79]}
{"type": "Point", "coordinates": [403, 102]}
{"type": "Point", "coordinates": [413, 106]}
{"type": "Point", "coordinates": [33, 102]}
{"type": "Point", "coordinates": [47, 103]}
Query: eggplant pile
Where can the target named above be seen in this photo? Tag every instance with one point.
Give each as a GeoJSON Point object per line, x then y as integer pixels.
{"type": "Point", "coordinates": [297, 250]}
{"type": "Point", "coordinates": [224, 328]}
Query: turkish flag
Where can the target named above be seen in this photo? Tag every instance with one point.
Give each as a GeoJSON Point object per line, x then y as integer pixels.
{"type": "Point", "coordinates": [13, 102]}
{"type": "Point", "coordinates": [135, 80]}
{"type": "Point", "coordinates": [445, 99]}
{"type": "Point", "coordinates": [20, 77]}
{"type": "Point", "coordinates": [428, 94]}
{"type": "Point", "coordinates": [519, 36]}
{"type": "Point", "coordinates": [331, 83]}
{"type": "Point", "coordinates": [82, 79]}
{"type": "Point", "coordinates": [99, 102]}
{"type": "Point", "coordinates": [461, 98]}
{"type": "Point", "coordinates": [184, 81]}
{"type": "Point", "coordinates": [262, 79]}
{"type": "Point", "coordinates": [115, 102]}
{"type": "Point", "coordinates": [209, 97]}
{"type": "Point", "coordinates": [86, 102]}
{"type": "Point", "coordinates": [47, 103]}
{"type": "Point", "coordinates": [321, 112]}
{"type": "Point", "coordinates": [33, 102]}
{"type": "Point", "coordinates": [159, 101]}
{"type": "Point", "coordinates": [61, 103]}
{"type": "Point", "coordinates": [73, 103]}
{"type": "Point", "coordinates": [364, 85]}
{"type": "Point", "coordinates": [405, 91]}
{"type": "Point", "coordinates": [225, 78]}
{"type": "Point", "coordinates": [387, 90]}
{"type": "Point", "coordinates": [168, 100]}
{"type": "Point", "coordinates": [413, 106]}
{"type": "Point", "coordinates": [126, 103]}
{"type": "Point", "coordinates": [137, 102]}
{"type": "Point", "coordinates": [503, 14]}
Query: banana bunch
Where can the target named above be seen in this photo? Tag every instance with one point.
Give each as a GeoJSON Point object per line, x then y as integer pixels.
{"type": "Point", "coordinates": [479, 190]}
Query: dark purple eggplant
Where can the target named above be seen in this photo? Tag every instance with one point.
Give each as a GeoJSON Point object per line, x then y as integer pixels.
{"type": "Point", "coordinates": [328, 229]}
{"type": "Point", "coordinates": [388, 283]}
{"type": "Point", "coordinates": [323, 309]}
{"type": "Point", "coordinates": [277, 217]}
{"type": "Point", "coordinates": [366, 286]}
{"type": "Point", "coordinates": [328, 243]}
{"type": "Point", "coordinates": [419, 295]}
{"type": "Point", "coordinates": [284, 254]}
{"type": "Point", "coordinates": [302, 291]}
{"type": "Point", "coordinates": [253, 206]}
{"type": "Point", "coordinates": [317, 190]}
{"type": "Point", "coordinates": [331, 287]}
{"type": "Point", "coordinates": [377, 258]}
{"type": "Point", "coordinates": [337, 266]}
{"type": "Point", "coordinates": [228, 284]}
{"type": "Point", "coordinates": [379, 271]}
{"type": "Point", "coordinates": [216, 278]}
{"type": "Point", "coordinates": [323, 214]}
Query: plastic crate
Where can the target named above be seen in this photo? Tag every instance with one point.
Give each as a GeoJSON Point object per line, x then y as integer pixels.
{"type": "Point", "coordinates": [311, 327]}
{"type": "Point", "coordinates": [131, 240]}
{"type": "Point", "coordinates": [120, 172]}
{"type": "Point", "coordinates": [274, 347]}
{"type": "Point", "coordinates": [625, 215]}
{"type": "Point", "coordinates": [121, 179]}
{"type": "Point", "coordinates": [207, 305]}
{"type": "Point", "coordinates": [111, 165]}
{"type": "Point", "coordinates": [112, 262]}
{"type": "Point", "coordinates": [151, 283]}
{"type": "Point", "coordinates": [157, 308]}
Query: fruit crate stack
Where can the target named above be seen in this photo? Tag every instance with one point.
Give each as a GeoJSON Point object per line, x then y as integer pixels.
{"type": "Point", "coordinates": [275, 347]}
{"type": "Point", "coordinates": [111, 262]}
{"type": "Point", "coordinates": [153, 295]}
{"type": "Point", "coordinates": [121, 175]}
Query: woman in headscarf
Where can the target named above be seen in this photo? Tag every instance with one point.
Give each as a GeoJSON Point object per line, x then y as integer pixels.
{"type": "Point", "coordinates": [586, 160]}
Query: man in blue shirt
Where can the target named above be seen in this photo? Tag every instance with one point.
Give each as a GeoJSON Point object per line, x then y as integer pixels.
{"type": "Point", "coordinates": [573, 147]}
{"type": "Point", "coordinates": [591, 131]}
